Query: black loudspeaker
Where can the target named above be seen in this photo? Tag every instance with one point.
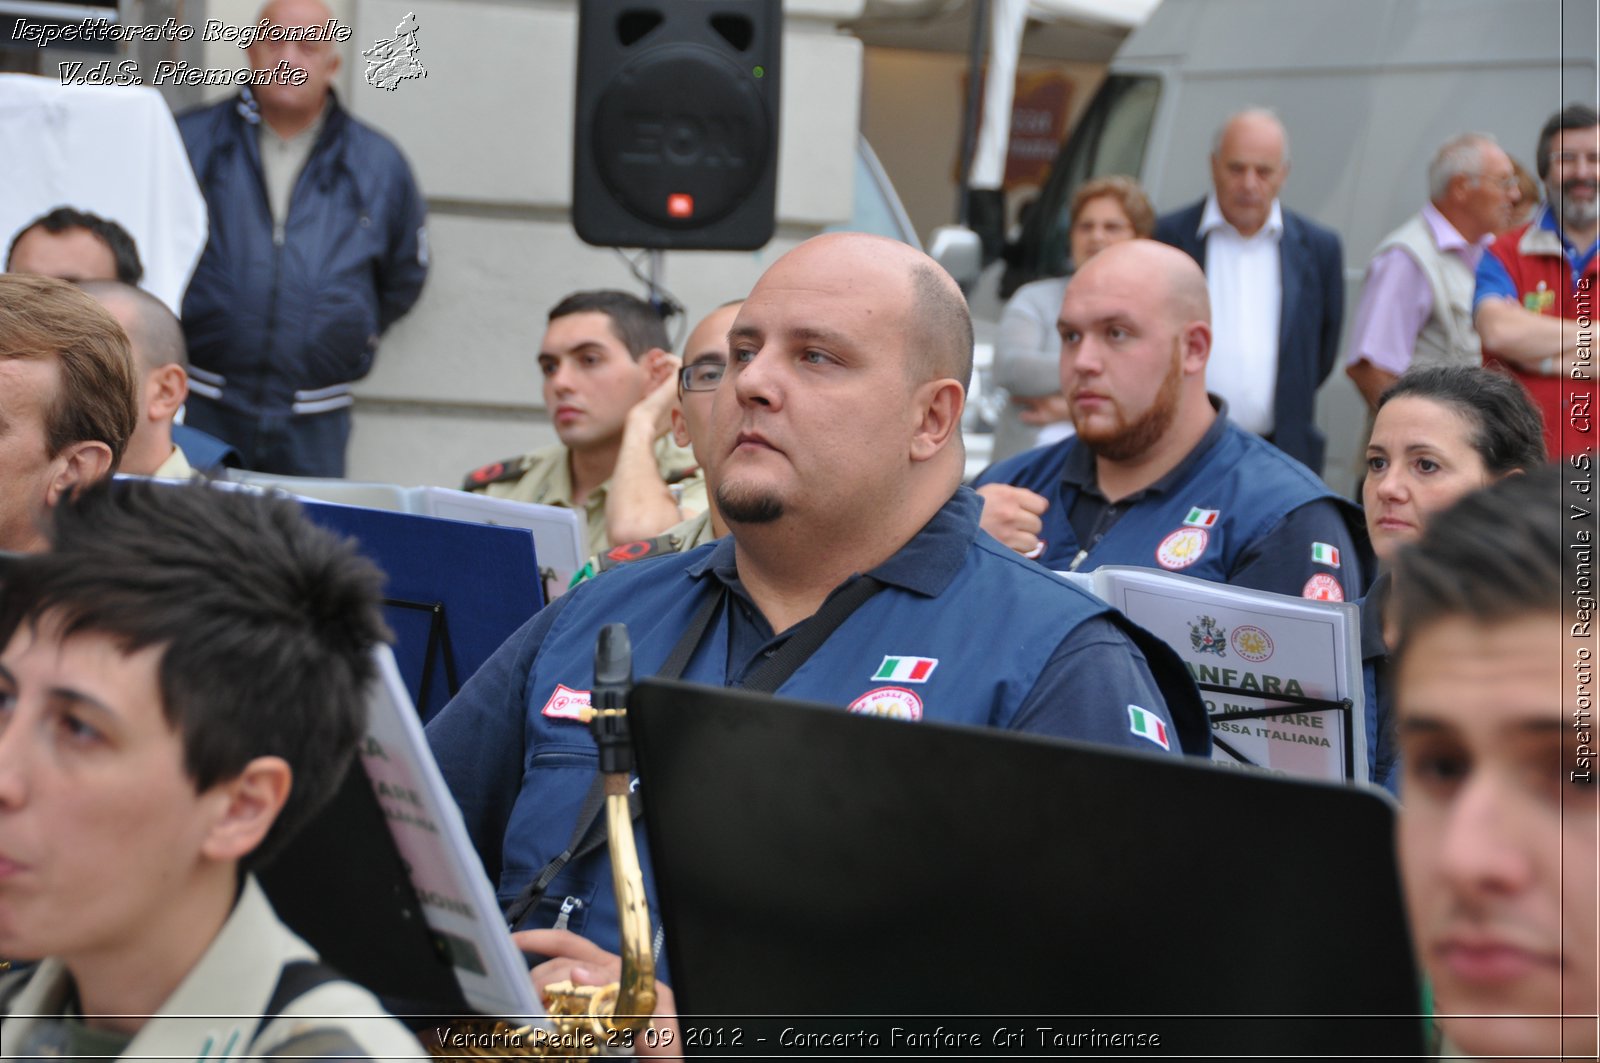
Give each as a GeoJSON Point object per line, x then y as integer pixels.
{"type": "Point", "coordinates": [676, 138]}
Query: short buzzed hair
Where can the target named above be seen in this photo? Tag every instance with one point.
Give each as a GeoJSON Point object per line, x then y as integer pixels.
{"type": "Point", "coordinates": [1188, 296]}
{"type": "Point", "coordinates": [155, 331]}
{"type": "Point", "coordinates": [96, 398]}
{"type": "Point", "coordinates": [942, 327]}
{"type": "Point", "coordinates": [637, 324]}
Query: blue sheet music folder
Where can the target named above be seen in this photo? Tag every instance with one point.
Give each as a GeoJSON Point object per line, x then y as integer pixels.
{"type": "Point", "coordinates": [456, 591]}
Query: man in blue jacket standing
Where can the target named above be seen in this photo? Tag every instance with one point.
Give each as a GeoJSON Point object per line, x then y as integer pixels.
{"type": "Point", "coordinates": [317, 246]}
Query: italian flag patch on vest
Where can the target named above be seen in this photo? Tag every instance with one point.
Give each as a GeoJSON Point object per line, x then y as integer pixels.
{"type": "Point", "coordinates": [906, 669]}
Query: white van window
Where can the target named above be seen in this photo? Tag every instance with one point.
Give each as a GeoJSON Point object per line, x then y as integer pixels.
{"type": "Point", "coordinates": [1111, 138]}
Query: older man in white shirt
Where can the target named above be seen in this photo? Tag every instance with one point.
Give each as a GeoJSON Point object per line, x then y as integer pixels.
{"type": "Point", "coordinates": [1276, 283]}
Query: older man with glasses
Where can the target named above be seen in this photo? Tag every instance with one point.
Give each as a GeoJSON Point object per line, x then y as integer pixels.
{"type": "Point", "coordinates": [1416, 304]}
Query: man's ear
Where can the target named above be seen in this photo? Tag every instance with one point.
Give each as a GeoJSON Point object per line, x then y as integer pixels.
{"type": "Point", "coordinates": [1194, 347]}
{"type": "Point", "coordinates": [658, 365]}
{"type": "Point", "coordinates": [245, 808]}
{"type": "Point", "coordinates": [680, 428]}
{"type": "Point", "coordinates": [78, 465]}
{"type": "Point", "coordinates": [165, 390]}
{"type": "Point", "coordinates": [938, 404]}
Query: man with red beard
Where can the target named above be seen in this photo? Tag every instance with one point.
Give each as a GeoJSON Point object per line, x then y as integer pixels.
{"type": "Point", "coordinates": [1157, 475]}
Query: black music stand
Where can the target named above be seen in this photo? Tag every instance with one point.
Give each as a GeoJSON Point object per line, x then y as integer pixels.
{"type": "Point", "coordinates": [834, 873]}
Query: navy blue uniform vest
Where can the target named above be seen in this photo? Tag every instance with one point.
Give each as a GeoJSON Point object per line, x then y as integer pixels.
{"type": "Point", "coordinates": [992, 630]}
{"type": "Point", "coordinates": [1227, 502]}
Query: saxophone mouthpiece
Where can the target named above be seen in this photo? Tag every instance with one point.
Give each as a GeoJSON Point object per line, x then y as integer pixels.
{"type": "Point", "coordinates": [613, 667]}
{"type": "Point", "coordinates": [613, 679]}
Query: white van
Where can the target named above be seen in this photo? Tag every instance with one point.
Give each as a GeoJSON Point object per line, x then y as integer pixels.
{"type": "Point", "coordinates": [1368, 89]}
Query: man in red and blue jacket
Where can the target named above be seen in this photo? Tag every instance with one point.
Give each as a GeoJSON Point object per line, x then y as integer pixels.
{"type": "Point", "coordinates": [1536, 286]}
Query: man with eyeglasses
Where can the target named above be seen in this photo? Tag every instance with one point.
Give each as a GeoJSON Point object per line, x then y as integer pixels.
{"type": "Point", "coordinates": [705, 359]}
{"type": "Point", "coordinates": [1536, 286]}
{"type": "Point", "coordinates": [608, 381]}
{"type": "Point", "coordinates": [1416, 304]}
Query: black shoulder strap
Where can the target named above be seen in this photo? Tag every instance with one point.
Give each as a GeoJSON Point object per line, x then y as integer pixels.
{"type": "Point", "coordinates": [807, 639]}
{"type": "Point", "coordinates": [588, 813]}
{"type": "Point", "coordinates": [297, 978]}
{"type": "Point", "coordinates": [699, 624]}
{"type": "Point", "coordinates": [589, 832]}
{"type": "Point", "coordinates": [775, 670]}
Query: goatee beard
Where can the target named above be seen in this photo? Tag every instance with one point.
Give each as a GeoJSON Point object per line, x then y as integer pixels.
{"type": "Point", "coordinates": [747, 507]}
{"type": "Point", "coordinates": [1576, 214]}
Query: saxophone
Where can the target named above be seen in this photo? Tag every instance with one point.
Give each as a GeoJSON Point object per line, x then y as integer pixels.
{"type": "Point", "coordinates": [589, 1021]}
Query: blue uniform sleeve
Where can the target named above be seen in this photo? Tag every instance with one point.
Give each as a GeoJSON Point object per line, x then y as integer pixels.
{"type": "Point", "coordinates": [478, 737]}
{"type": "Point", "coordinates": [1492, 282]}
{"type": "Point", "coordinates": [1309, 553]}
{"type": "Point", "coordinates": [405, 266]}
{"type": "Point", "coordinates": [1089, 688]}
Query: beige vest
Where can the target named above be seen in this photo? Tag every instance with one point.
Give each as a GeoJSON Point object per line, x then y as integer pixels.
{"type": "Point", "coordinates": [1448, 337]}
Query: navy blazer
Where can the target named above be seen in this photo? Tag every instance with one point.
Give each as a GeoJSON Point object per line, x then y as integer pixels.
{"type": "Point", "coordinates": [1308, 332]}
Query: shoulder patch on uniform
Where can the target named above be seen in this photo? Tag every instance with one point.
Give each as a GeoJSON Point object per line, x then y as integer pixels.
{"type": "Point", "coordinates": [622, 553]}
{"type": "Point", "coordinates": [1148, 725]}
{"type": "Point", "coordinates": [1322, 588]}
{"type": "Point", "coordinates": [497, 472]}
